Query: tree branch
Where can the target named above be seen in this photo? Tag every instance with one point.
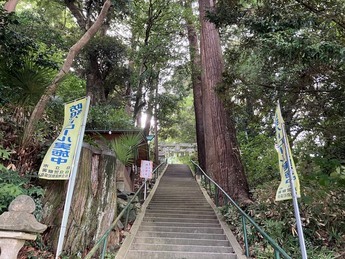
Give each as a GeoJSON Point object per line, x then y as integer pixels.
{"type": "Point", "coordinates": [51, 89]}
{"type": "Point", "coordinates": [77, 13]}
{"type": "Point", "coordinates": [316, 11]}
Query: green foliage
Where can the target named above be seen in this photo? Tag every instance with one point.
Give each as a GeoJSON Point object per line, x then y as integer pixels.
{"type": "Point", "coordinates": [177, 120]}
{"type": "Point", "coordinates": [71, 88]}
{"type": "Point", "coordinates": [126, 147]}
{"type": "Point", "coordinates": [4, 154]}
{"type": "Point", "coordinates": [108, 117]}
{"type": "Point", "coordinates": [12, 185]}
{"type": "Point", "coordinates": [275, 52]}
{"type": "Point", "coordinates": [27, 64]}
{"type": "Point", "coordinates": [259, 157]}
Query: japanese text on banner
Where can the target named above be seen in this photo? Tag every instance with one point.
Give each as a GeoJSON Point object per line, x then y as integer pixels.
{"type": "Point", "coordinates": [284, 153]}
{"type": "Point", "coordinates": [57, 163]}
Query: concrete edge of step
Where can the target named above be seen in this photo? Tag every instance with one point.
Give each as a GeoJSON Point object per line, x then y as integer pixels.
{"type": "Point", "coordinates": [121, 254]}
{"type": "Point", "coordinates": [227, 231]}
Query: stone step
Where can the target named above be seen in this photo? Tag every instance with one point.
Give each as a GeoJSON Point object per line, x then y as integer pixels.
{"type": "Point", "coordinates": [181, 235]}
{"type": "Point", "coordinates": [182, 241]}
{"type": "Point", "coordinates": [142, 254]}
{"type": "Point", "coordinates": [180, 224]}
{"type": "Point", "coordinates": [208, 230]}
{"type": "Point", "coordinates": [179, 215]}
{"type": "Point", "coordinates": [186, 203]}
{"type": "Point", "coordinates": [180, 206]}
{"type": "Point", "coordinates": [180, 220]}
{"type": "Point", "coordinates": [177, 210]}
{"type": "Point", "coordinates": [181, 210]}
{"type": "Point", "coordinates": [180, 195]}
{"type": "Point", "coordinates": [171, 198]}
{"type": "Point", "coordinates": [180, 203]}
{"type": "Point", "coordinates": [181, 248]}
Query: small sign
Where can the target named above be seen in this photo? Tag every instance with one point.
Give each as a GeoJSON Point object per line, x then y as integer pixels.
{"type": "Point", "coordinates": [146, 169]}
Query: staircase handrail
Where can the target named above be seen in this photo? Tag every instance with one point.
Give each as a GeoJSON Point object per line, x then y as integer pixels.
{"type": "Point", "coordinates": [104, 238]}
{"type": "Point", "coordinates": [277, 249]}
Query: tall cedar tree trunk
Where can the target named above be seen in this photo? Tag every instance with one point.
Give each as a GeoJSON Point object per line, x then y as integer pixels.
{"type": "Point", "coordinates": [51, 89]}
{"type": "Point", "coordinates": [197, 88]}
{"type": "Point", "coordinates": [10, 6]}
{"type": "Point", "coordinates": [223, 160]}
{"type": "Point", "coordinates": [93, 207]}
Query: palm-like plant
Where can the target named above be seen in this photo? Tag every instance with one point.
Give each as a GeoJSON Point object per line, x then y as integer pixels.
{"type": "Point", "coordinates": [126, 147]}
{"type": "Point", "coordinates": [27, 82]}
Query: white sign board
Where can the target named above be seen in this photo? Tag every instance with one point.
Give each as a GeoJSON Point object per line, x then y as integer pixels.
{"type": "Point", "coordinates": [146, 169]}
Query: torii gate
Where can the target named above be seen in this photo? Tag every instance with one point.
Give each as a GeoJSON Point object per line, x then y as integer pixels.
{"type": "Point", "coordinates": [179, 149]}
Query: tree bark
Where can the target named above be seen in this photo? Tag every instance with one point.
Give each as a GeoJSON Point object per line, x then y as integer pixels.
{"type": "Point", "coordinates": [93, 207]}
{"type": "Point", "coordinates": [10, 5]}
{"type": "Point", "coordinates": [197, 88]}
{"type": "Point", "coordinates": [51, 89]}
{"type": "Point", "coordinates": [223, 160]}
{"type": "Point", "coordinates": [94, 82]}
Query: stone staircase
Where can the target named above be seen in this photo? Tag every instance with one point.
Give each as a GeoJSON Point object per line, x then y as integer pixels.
{"type": "Point", "coordinates": [178, 221]}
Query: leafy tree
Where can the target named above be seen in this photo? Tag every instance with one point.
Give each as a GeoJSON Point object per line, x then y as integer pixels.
{"type": "Point", "coordinates": [277, 53]}
{"type": "Point", "coordinates": [155, 29]}
{"type": "Point", "coordinates": [179, 126]}
{"type": "Point", "coordinates": [74, 50]}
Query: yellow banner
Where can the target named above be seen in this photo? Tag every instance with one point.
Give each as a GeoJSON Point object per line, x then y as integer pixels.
{"type": "Point", "coordinates": [283, 147]}
{"type": "Point", "coordinates": [57, 163]}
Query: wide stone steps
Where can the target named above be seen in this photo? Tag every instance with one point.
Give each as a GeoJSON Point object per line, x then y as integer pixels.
{"type": "Point", "coordinates": [138, 254]}
{"type": "Point", "coordinates": [178, 223]}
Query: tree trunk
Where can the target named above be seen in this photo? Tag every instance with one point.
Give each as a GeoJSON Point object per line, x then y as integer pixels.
{"type": "Point", "coordinates": [10, 5]}
{"type": "Point", "coordinates": [223, 160]}
{"type": "Point", "coordinates": [197, 88]}
{"type": "Point", "coordinates": [93, 205]}
{"type": "Point", "coordinates": [51, 89]}
{"type": "Point", "coordinates": [94, 82]}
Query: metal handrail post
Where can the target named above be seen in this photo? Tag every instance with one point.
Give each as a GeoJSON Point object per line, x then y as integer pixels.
{"type": "Point", "coordinates": [127, 215]}
{"type": "Point", "coordinates": [245, 237]}
{"type": "Point", "coordinates": [104, 248]}
{"type": "Point", "coordinates": [216, 196]}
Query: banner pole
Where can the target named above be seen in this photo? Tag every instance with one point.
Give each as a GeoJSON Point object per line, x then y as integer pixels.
{"type": "Point", "coordinates": [71, 183]}
{"type": "Point", "coordinates": [295, 203]}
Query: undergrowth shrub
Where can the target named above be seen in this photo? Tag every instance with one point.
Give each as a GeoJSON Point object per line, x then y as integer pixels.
{"type": "Point", "coordinates": [322, 213]}
{"type": "Point", "coordinates": [13, 184]}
